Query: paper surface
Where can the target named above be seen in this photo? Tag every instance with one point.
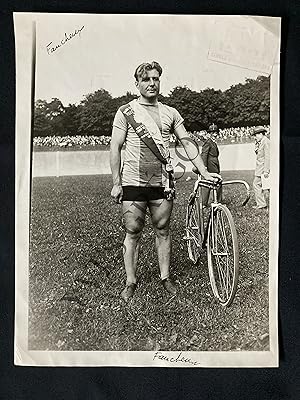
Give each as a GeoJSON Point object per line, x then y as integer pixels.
{"type": "Point", "coordinates": [246, 42]}
{"type": "Point", "coordinates": [69, 267]}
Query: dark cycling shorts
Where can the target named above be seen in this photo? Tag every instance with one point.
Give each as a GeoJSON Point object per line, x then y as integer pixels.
{"type": "Point", "coordinates": [142, 193]}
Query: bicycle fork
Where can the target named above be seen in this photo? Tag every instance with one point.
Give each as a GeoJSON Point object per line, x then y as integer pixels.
{"type": "Point", "coordinates": [204, 243]}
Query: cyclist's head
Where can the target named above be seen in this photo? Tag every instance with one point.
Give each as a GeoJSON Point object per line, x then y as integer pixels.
{"type": "Point", "coordinates": [147, 80]}
{"type": "Point", "coordinates": [142, 70]}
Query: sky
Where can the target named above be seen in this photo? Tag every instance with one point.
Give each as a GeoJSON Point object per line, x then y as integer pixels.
{"type": "Point", "coordinates": [105, 50]}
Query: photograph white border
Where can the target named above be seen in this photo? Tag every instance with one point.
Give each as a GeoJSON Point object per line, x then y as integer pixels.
{"type": "Point", "coordinates": [23, 25]}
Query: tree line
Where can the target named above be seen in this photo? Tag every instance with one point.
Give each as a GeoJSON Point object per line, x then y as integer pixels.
{"type": "Point", "coordinates": [244, 104]}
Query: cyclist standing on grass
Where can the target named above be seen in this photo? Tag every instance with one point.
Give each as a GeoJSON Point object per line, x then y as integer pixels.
{"type": "Point", "coordinates": [146, 177]}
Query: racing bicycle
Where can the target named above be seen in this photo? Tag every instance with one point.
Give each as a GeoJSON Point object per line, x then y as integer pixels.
{"type": "Point", "coordinates": [217, 234]}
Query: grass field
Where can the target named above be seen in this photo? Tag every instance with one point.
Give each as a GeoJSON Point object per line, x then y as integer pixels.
{"type": "Point", "coordinates": [76, 276]}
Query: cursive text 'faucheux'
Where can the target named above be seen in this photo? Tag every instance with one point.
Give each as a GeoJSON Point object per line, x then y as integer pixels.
{"type": "Point", "coordinates": [51, 48]}
{"type": "Point", "coordinates": [172, 359]}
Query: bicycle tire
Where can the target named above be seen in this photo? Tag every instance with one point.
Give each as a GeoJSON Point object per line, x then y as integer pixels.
{"type": "Point", "coordinates": [223, 255]}
{"type": "Point", "coordinates": [194, 235]}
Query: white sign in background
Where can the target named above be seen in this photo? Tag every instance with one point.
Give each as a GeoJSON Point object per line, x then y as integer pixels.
{"type": "Point", "coordinates": [244, 42]}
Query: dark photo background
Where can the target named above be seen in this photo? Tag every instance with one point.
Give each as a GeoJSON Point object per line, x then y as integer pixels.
{"type": "Point", "coordinates": [150, 383]}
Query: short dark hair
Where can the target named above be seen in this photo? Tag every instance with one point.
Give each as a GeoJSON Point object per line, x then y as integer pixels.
{"type": "Point", "coordinates": [213, 128]}
{"type": "Point", "coordinates": [143, 68]}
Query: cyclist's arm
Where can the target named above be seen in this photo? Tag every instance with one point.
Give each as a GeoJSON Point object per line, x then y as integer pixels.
{"type": "Point", "coordinates": [192, 152]}
{"type": "Point", "coordinates": [117, 140]}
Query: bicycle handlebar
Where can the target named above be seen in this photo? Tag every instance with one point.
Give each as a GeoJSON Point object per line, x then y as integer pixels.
{"type": "Point", "coordinates": [210, 184]}
{"type": "Point", "coordinates": [215, 185]}
{"type": "Point", "coordinates": [242, 183]}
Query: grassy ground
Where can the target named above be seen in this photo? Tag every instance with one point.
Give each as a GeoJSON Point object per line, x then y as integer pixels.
{"type": "Point", "coordinates": [76, 276]}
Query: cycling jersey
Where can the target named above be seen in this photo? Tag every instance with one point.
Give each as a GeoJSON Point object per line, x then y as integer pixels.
{"type": "Point", "coordinates": [140, 166]}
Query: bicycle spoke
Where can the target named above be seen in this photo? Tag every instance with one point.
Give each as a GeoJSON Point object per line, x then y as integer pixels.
{"type": "Point", "coordinates": [226, 267]}
{"type": "Point", "coordinates": [218, 253]}
{"type": "Point", "coordinates": [225, 281]}
{"type": "Point", "coordinates": [223, 232]}
{"type": "Point", "coordinates": [193, 235]}
{"type": "Point", "coordinates": [227, 273]}
{"type": "Point", "coordinates": [222, 255]}
{"type": "Point", "coordinates": [221, 274]}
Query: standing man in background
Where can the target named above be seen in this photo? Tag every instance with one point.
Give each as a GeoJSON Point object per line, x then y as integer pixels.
{"type": "Point", "coordinates": [210, 157]}
{"type": "Point", "coordinates": [262, 168]}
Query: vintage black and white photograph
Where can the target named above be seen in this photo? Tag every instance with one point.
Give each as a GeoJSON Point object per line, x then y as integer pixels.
{"type": "Point", "coordinates": [147, 190]}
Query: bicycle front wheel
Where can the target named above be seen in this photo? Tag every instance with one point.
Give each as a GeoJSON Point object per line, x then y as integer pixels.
{"type": "Point", "coordinates": [223, 255]}
{"type": "Point", "coordinates": [194, 229]}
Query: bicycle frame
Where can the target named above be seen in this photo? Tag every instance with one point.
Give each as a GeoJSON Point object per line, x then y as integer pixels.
{"type": "Point", "coordinates": [214, 187]}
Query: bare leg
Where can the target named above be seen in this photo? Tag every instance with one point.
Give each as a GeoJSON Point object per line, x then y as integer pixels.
{"type": "Point", "coordinates": [134, 218]}
{"type": "Point", "coordinates": [131, 254]}
{"type": "Point", "coordinates": [161, 212]}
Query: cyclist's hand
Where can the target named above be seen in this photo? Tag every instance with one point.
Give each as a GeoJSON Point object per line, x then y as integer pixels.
{"type": "Point", "coordinates": [117, 193]}
{"type": "Point", "coordinates": [212, 176]}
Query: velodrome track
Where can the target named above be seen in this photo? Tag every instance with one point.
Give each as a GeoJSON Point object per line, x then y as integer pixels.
{"type": "Point", "coordinates": [233, 157]}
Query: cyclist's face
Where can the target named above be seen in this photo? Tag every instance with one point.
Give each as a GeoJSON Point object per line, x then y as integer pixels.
{"type": "Point", "coordinates": [149, 84]}
{"type": "Point", "coordinates": [259, 136]}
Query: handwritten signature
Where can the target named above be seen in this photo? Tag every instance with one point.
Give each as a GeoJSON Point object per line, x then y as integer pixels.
{"type": "Point", "coordinates": [159, 355]}
{"type": "Point", "coordinates": [52, 48]}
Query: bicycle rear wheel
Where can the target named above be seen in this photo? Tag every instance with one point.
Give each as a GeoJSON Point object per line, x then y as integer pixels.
{"type": "Point", "coordinates": [223, 255]}
{"type": "Point", "coordinates": [194, 229]}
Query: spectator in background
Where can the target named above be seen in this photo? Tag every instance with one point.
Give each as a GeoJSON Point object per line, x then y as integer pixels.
{"type": "Point", "coordinates": [262, 168]}
{"type": "Point", "coordinates": [210, 157]}
{"type": "Point", "coordinates": [224, 136]}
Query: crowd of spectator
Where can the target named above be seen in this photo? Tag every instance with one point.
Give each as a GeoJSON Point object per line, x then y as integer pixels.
{"type": "Point", "coordinates": [226, 135]}
{"type": "Point", "coordinates": [69, 141]}
{"type": "Point", "coordinates": [232, 135]}
{"type": "Point", "coordinates": [237, 134]}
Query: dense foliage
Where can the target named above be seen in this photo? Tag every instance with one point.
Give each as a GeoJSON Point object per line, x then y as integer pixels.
{"type": "Point", "coordinates": [244, 104]}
